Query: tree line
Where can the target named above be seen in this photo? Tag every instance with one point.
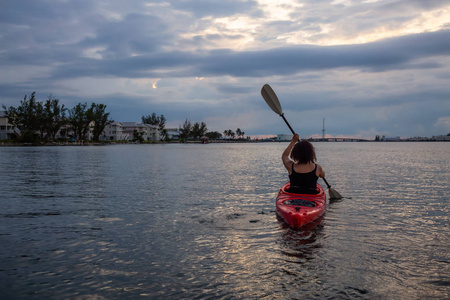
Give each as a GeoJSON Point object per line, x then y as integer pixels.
{"type": "Point", "coordinates": [189, 130]}
{"type": "Point", "coordinates": [230, 133]}
{"type": "Point", "coordinates": [41, 120]}
{"type": "Point", "coordinates": [199, 130]}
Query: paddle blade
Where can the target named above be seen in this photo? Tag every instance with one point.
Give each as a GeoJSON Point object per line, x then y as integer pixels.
{"type": "Point", "coordinates": [271, 99]}
{"type": "Point", "coordinates": [333, 194]}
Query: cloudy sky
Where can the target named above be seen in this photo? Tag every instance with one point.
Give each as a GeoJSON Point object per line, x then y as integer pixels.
{"type": "Point", "coordinates": [368, 67]}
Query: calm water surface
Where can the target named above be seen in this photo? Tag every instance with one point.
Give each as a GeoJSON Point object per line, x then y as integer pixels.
{"type": "Point", "coordinates": [198, 222]}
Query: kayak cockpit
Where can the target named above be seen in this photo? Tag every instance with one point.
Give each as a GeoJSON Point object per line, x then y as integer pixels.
{"type": "Point", "coordinates": [300, 202]}
{"type": "Point", "coordinates": [318, 192]}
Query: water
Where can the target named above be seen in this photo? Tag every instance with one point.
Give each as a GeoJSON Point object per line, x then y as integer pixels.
{"type": "Point", "coordinates": [198, 222]}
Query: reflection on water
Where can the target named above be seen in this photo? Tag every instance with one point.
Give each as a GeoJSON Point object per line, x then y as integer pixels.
{"type": "Point", "coordinates": [198, 221]}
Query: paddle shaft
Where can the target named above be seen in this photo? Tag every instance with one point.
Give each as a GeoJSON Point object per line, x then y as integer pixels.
{"type": "Point", "coordinates": [326, 182]}
{"type": "Point", "coordinates": [287, 123]}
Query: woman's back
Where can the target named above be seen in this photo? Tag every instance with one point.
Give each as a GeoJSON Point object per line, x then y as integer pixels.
{"type": "Point", "coordinates": [303, 181]}
{"type": "Point", "coordinates": [299, 160]}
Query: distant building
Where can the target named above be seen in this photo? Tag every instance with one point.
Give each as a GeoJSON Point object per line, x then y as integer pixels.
{"type": "Point", "coordinates": [391, 138]}
{"type": "Point", "coordinates": [7, 131]}
{"type": "Point", "coordinates": [113, 132]}
{"type": "Point", "coordinates": [64, 132]}
{"type": "Point", "coordinates": [150, 132]}
{"type": "Point", "coordinates": [173, 133]}
{"type": "Point", "coordinates": [284, 137]}
{"type": "Point", "coordinates": [442, 138]}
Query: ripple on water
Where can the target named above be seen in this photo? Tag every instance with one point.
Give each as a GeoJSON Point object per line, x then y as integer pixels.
{"type": "Point", "coordinates": [198, 221]}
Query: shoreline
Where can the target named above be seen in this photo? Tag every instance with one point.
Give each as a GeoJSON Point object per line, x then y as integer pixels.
{"type": "Point", "coordinates": [54, 144]}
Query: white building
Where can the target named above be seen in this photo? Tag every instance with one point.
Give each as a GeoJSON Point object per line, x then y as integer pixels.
{"type": "Point", "coordinates": [173, 133]}
{"type": "Point", "coordinates": [64, 132]}
{"type": "Point", "coordinates": [7, 131]}
{"type": "Point", "coordinates": [150, 132]}
{"type": "Point", "coordinates": [113, 132]}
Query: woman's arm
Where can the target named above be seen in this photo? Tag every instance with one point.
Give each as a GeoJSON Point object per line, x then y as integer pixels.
{"type": "Point", "coordinates": [285, 156]}
{"type": "Point", "coordinates": [320, 172]}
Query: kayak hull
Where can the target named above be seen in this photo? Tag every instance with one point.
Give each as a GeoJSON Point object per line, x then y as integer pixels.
{"type": "Point", "coordinates": [300, 209]}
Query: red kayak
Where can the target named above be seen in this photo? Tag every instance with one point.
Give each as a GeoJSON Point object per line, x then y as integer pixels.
{"type": "Point", "coordinates": [300, 209]}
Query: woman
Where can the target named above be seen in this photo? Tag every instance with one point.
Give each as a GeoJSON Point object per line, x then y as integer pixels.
{"type": "Point", "coordinates": [300, 161]}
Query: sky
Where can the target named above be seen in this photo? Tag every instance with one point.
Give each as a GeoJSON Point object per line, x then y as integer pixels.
{"type": "Point", "coordinates": [367, 67]}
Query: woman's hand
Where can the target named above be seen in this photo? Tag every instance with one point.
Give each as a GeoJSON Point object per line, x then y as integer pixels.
{"type": "Point", "coordinates": [285, 156]}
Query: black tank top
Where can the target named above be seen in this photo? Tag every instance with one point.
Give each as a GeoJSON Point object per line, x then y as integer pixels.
{"type": "Point", "coordinates": [304, 183]}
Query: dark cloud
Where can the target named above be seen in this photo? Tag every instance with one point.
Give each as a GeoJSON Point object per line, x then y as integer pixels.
{"type": "Point", "coordinates": [115, 51]}
{"type": "Point", "coordinates": [136, 34]}
{"type": "Point", "coordinates": [132, 46]}
{"type": "Point", "coordinates": [405, 5]}
{"type": "Point", "coordinates": [217, 8]}
{"type": "Point", "coordinates": [233, 89]}
{"type": "Point", "coordinates": [390, 54]}
{"type": "Point", "coordinates": [40, 24]}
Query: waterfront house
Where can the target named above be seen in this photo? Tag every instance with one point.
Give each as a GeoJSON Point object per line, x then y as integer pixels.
{"type": "Point", "coordinates": [113, 132]}
{"type": "Point", "coordinates": [149, 132]}
{"type": "Point", "coordinates": [64, 132]}
{"type": "Point", "coordinates": [173, 133]}
{"type": "Point", "coordinates": [7, 130]}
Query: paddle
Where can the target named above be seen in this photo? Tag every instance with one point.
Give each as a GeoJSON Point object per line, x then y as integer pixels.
{"type": "Point", "coordinates": [333, 194]}
{"type": "Point", "coordinates": [272, 100]}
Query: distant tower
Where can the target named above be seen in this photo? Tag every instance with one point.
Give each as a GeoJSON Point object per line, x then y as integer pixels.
{"type": "Point", "coordinates": [323, 130]}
